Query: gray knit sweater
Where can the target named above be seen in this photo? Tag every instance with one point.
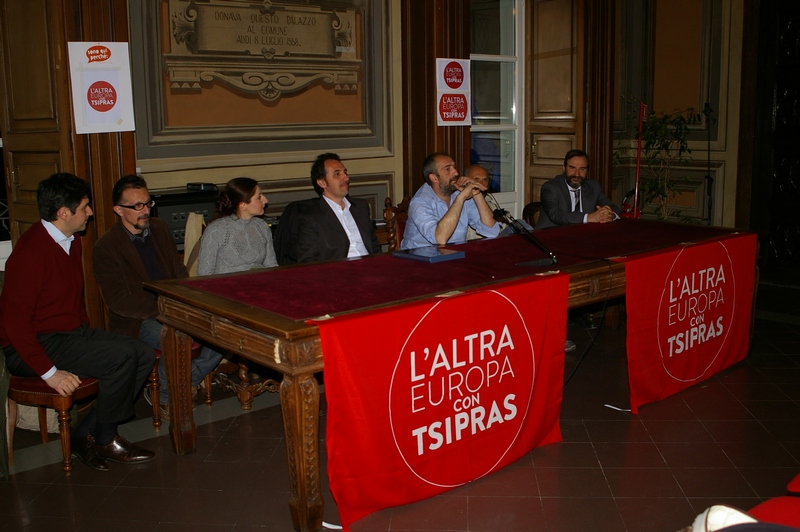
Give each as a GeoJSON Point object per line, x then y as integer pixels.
{"type": "Point", "coordinates": [232, 244]}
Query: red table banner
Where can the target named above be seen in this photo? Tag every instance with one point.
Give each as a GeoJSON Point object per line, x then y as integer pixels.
{"type": "Point", "coordinates": [689, 314]}
{"type": "Point", "coordinates": [430, 395]}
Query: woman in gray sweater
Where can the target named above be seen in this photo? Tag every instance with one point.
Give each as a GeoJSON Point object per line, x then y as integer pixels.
{"type": "Point", "coordinates": [240, 240]}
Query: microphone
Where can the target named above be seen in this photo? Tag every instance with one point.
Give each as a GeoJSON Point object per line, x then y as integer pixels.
{"type": "Point", "coordinates": [549, 261]}
{"type": "Point", "coordinates": [502, 215]}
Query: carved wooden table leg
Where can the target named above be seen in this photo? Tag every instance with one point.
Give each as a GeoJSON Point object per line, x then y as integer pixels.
{"type": "Point", "coordinates": [300, 407]}
{"type": "Point", "coordinates": [176, 346]}
{"type": "Point", "coordinates": [244, 392]}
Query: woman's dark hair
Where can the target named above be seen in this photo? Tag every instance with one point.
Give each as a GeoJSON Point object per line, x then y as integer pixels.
{"type": "Point", "coordinates": [61, 190]}
{"type": "Point", "coordinates": [238, 189]}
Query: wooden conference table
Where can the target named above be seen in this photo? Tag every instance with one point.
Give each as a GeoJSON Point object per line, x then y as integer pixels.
{"type": "Point", "coordinates": [262, 316]}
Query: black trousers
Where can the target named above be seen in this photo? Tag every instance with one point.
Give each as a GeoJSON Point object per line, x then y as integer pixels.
{"type": "Point", "coordinates": [120, 363]}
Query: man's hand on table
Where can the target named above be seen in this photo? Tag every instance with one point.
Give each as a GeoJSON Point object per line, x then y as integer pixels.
{"type": "Point", "coordinates": [602, 215]}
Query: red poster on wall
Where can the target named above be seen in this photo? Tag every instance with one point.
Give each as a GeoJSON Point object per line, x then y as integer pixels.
{"type": "Point", "coordinates": [689, 312]}
{"type": "Point", "coordinates": [428, 396]}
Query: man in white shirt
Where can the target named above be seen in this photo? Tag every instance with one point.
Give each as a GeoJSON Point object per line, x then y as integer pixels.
{"type": "Point", "coordinates": [334, 226]}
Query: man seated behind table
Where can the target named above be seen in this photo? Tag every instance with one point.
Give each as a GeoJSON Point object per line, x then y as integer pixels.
{"type": "Point", "coordinates": [44, 328]}
{"type": "Point", "coordinates": [135, 250]}
{"type": "Point", "coordinates": [445, 206]}
{"type": "Point", "coordinates": [481, 175]}
{"type": "Point", "coordinates": [334, 226]}
{"type": "Point", "coordinates": [571, 198]}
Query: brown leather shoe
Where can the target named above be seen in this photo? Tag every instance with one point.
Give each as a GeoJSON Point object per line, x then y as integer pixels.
{"type": "Point", "coordinates": [124, 452]}
{"type": "Point", "coordinates": [84, 450]}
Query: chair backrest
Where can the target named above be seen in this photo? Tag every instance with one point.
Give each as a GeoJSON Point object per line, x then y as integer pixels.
{"type": "Point", "coordinates": [285, 236]}
{"type": "Point", "coordinates": [395, 218]}
{"type": "Point", "coordinates": [531, 212]}
{"type": "Point", "coordinates": [195, 225]}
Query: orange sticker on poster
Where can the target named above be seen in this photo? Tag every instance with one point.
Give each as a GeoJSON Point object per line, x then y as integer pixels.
{"type": "Point", "coordinates": [98, 53]}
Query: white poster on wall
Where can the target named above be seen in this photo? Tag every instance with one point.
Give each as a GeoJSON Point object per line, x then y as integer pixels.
{"type": "Point", "coordinates": [453, 95]}
{"type": "Point", "coordinates": [102, 96]}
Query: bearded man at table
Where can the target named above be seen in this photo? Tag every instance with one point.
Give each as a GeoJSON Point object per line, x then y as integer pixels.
{"type": "Point", "coordinates": [572, 198]}
{"type": "Point", "coordinates": [445, 206]}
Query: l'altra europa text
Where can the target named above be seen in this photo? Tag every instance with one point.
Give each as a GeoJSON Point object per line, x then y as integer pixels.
{"type": "Point", "coordinates": [455, 375]}
{"type": "Point", "coordinates": [691, 299]}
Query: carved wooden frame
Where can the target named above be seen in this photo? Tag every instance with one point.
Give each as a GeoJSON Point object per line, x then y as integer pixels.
{"type": "Point", "coordinates": [270, 76]}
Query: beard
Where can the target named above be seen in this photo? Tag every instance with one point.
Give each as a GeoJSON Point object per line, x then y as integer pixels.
{"type": "Point", "coordinates": [572, 184]}
{"type": "Point", "coordinates": [143, 222]}
{"type": "Point", "coordinates": [449, 188]}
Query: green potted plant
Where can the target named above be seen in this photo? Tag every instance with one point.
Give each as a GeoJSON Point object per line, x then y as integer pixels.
{"type": "Point", "coordinates": [664, 144]}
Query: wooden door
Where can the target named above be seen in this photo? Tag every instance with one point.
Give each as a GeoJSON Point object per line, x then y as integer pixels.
{"type": "Point", "coordinates": [36, 120]}
{"type": "Point", "coordinates": [554, 74]}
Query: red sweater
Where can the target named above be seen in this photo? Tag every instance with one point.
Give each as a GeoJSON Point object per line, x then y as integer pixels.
{"type": "Point", "coordinates": [42, 293]}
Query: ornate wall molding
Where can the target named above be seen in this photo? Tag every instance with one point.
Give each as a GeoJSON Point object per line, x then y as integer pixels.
{"type": "Point", "coordinates": [262, 48]}
{"type": "Point", "coordinates": [273, 59]}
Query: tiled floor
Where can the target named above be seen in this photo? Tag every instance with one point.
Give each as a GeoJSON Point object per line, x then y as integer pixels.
{"type": "Point", "coordinates": [734, 439]}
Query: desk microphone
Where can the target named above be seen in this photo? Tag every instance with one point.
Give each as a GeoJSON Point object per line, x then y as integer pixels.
{"type": "Point", "coordinates": [549, 261]}
{"type": "Point", "coordinates": [502, 215]}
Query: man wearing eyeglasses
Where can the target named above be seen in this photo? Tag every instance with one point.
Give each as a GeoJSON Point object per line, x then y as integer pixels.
{"type": "Point", "coordinates": [44, 328]}
{"type": "Point", "coordinates": [137, 249]}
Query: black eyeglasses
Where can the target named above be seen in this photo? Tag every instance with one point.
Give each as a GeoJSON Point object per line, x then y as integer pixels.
{"type": "Point", "coordinates": [140, 206]}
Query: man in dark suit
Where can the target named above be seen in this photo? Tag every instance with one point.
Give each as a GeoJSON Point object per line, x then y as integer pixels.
{"type": "Point", "coordinates": [571, 198]}
{"type": "Point", "coordinates": [333, 226]}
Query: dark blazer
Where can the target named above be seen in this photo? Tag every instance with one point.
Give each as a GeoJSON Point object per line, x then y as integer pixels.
{"type": "Point", "coordinates": [120, 273]}
{"type": "Point", "coordinates": [557, 203]}
{"type": "Point", "coordinates": [320, 236]}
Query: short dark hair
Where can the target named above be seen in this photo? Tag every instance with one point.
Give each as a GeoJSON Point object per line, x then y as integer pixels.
{"type": "Point", "coordinates": [318, 169]}
{"type": "Point", "coordinates": [123, 184]}
{"type": "Point", "coordinates": [429, 165]}
{"type": "Point", "coordinates": [61, 190]}
{"type": "Point", "coordinates": [237, 190]}
{"type": "Point", "coordinates": [576, 153]}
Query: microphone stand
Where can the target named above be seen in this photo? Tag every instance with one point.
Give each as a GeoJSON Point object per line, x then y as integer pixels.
{"type": "Point", "coordinates": [502, 215]}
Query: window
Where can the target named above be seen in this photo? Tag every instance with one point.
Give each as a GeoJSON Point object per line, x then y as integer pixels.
{"type": "Point", "coordinates": [496, 44]}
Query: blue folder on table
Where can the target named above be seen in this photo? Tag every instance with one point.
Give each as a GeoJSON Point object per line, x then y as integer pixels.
{"type": "Point", "coordinates": [429, 254]}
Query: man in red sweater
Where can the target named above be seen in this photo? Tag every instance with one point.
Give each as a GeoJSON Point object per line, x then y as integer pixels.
{"type": "Point", "coordinates": [44, 328]}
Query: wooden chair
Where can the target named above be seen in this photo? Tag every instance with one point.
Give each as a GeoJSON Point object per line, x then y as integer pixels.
{"type": "Point", "coordinates": [35, 392]}
{"type": "Point", "coordinates": [395, 218]}
{"type": "Point", "coordinates": [531, 212]}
